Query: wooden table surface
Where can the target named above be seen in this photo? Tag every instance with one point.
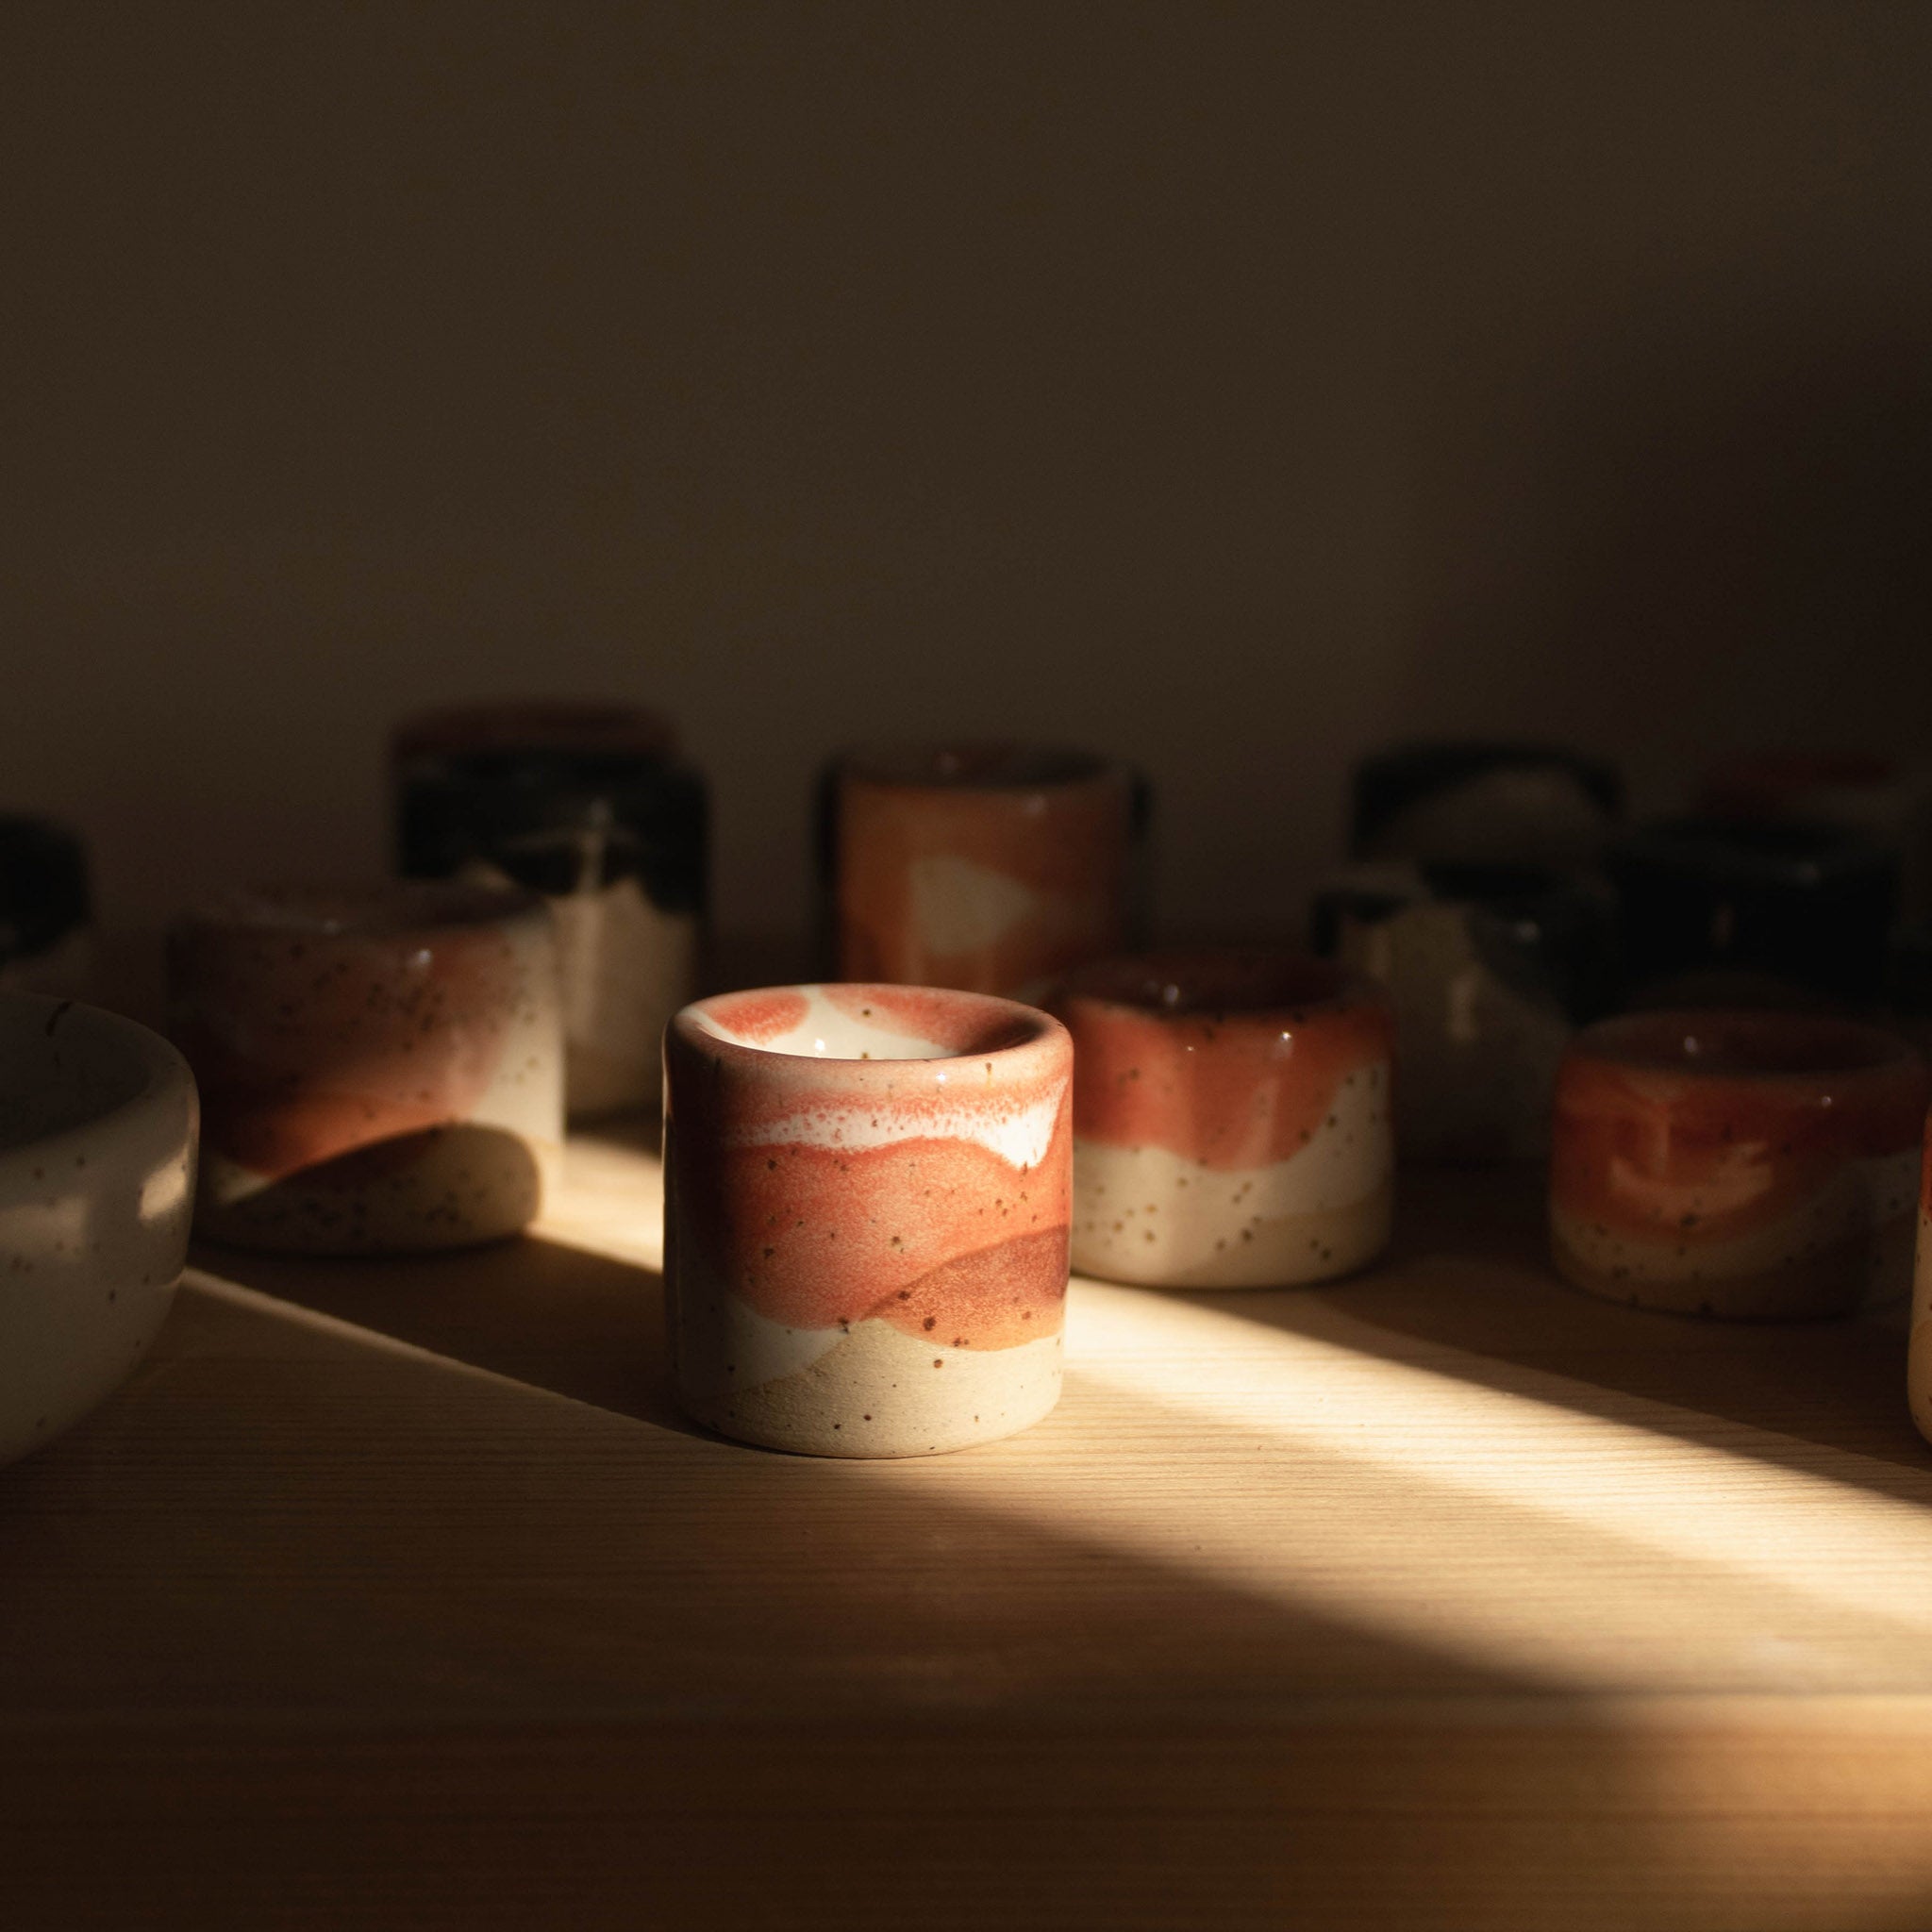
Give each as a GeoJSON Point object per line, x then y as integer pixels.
{"type": "Point", "coordinates": [397, 1594]}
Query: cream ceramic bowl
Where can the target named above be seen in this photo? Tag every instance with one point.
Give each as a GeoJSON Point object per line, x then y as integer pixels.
{"type": "Point", "coordinates": [97, 1136]}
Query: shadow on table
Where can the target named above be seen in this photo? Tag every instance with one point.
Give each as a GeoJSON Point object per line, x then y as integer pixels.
{"type": "Point", "coordinates": [1468, 1290]}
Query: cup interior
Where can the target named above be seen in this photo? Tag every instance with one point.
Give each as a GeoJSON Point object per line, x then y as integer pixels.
{"type": "Point", "coordinates": [868, 1023]}
{"type": "Point", "coordinates": [374, 912]}
{"type": "Point", "coordinates": [65, 1066]}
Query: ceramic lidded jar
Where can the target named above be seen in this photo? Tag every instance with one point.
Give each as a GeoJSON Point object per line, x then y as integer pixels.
{"type": "Point", "coordinates": [992, 868]}
{"type": "Point", "coordinates": [1726, 912]}
{"type": "Point", "coordinates": [1490, 969]}
{"type": "Point", "coordinates": [591, 805]}
{"type": "Point", "coordinates": [1480, 802]}
{"type": "Point", "coordinates": [1231, 1119]}
{"type": "Point", "coordinates": [867, 1192]}
{"type": "Point", "coordinates": [381, 1069]}
{"type": "Point", "coordinates": [1754, 1165]}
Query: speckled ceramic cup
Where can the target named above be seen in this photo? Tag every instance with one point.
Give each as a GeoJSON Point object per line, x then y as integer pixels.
{"type": "Point", "coordinates": [1231, 1119]}
{"type": "Point", "coordinates": [992, 868]}
{"type": "Point", "coordinates": [867, 1190]}
{"type": "Point", "coordinates": [1483, 803]}
{"type": "Point", "coordinates": [97, 1120]}
{"type": "Point", "coordinates": [588, 804]}
{"type": "Point", "coordinates": [381, 1069]}
{"type": "Point", "coordinates": [1490, 970]}
{"type": "Point", "coordinates": [1756, 1166]}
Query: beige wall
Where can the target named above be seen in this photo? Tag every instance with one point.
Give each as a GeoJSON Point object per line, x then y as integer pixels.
{"type": "Point", "coordinates": [1234, 386]}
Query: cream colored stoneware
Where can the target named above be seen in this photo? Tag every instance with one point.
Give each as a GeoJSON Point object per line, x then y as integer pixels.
{"type": "Point", "coordinates": [98, 1118]}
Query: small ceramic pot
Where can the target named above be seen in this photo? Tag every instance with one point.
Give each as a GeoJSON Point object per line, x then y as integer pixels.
{"type": "Point", "coordinates": [589, 805]}
{"type": "Point", "coordinates": [1231, 1119]}
{"type": "Point", "coordinates": [1727, 912]}
{"type": "Point", "coordinates": [1918, 1372]}
{"type": "Point", "coordinates": [45, 933]}
{"type": "Point", "coordinates": [1752, 1165]}
{"type": "Point", "coordinates": [1484, 804]}
{"type": "Point", "coordinates": [1490, 970]}
{"type": "Point", "coordinates": [381, 1070]}
{"type": "Point", "coordinates": [97, 1120]}
{"type": "Point", "coordinates": [867, 1191]}
{"type": "Point", "coordinates": [989, 868]}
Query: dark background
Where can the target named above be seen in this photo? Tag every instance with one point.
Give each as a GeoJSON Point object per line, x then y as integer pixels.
{"type": "Point", "coordinates": [1232, 386]}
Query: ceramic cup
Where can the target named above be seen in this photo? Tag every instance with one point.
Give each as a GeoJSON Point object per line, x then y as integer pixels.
{"type": "Point", "coordinates": [1727, 912]}
{"type": "Point", "coordinates": [1490, 969]}
{"type": "Point", "coordinates": [1919, 1373]}
{"type": "Point", "coordinates": [1752, 1165]}
{"type": "Point", "coordinates": [381, 1069]}
{"type": "Point", "coordinates": [1231, 1119]}
{"type": "Point", "coordinates": [97, 1123]}
{"type": "Point", "coordinates": [867, 1190]}
{"type": "Point", "coordinates": [45, 938]}
{"type": "Point", "coordinates": [590, 806]}
{"type": "Point", "coordinates": [1480, 803]}
{"type": "Point", "coordinates": [992, 868]}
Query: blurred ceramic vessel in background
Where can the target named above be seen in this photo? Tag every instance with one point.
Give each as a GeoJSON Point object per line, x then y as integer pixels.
{"type": "Point", "coordinates": [992, 868]}
{"type": "Point", "coordinates": [1729, 912]}
{"type": "Point", "coordinates": [1490, 969]}
{"type": "Point", "coordinates": [590, 806]}
{"type": "Point", "coordinates": [1754, 1165]}
{"type": "Point", "coordinates": [381, 1069]}
{"type": "Point", "coordinates": [46, 938]}
{"type": "Point", "coordinates": [1919, 1371]}
{"type": "Point", "coordinates": [867, 1191]}
{"type": "Point", "coordinates": [1857, 791]}
{"type": "Point", "coordinates": [1231, 1119]}
{"type": "Point", "coordinates": [1484, 803]}
{"type": "Point", "coordinates": [97, 1128]}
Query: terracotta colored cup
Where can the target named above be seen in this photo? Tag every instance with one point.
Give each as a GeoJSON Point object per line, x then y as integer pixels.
{"type": "Point", "coordinates": [1231, 1119]}
{"type": "Point", "coordinates": [867, 1190]}
{"type": "Point", "coordinates": [588, 804]}
{"type": "Point", "coordinates": [1753, 1165]}
{"type": "Point", "coordinates": [381, 1069]}
{"type": "Point", "coordinates": [992, 868]}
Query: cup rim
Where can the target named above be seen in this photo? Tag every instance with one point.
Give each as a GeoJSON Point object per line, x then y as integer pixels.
{"type": "Point", "coordinates": [1035, 1032]}
{"type": "Point", "coordinates": [1766, 1046]}
{"type": "Point", "coordinates": [358, 911]}
{"type": "Point", "coordinates": [986, 765]}
{"type": "Point", "coordinates": [1105, 985]}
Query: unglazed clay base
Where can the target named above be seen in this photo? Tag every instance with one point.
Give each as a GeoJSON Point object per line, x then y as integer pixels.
{"type": "Point", "coordinates": [867, 1192]}
{"type": "Point", "coordinates": [1844, 1248]}
{"type": "Point", "coordinates": [1147, 1215]}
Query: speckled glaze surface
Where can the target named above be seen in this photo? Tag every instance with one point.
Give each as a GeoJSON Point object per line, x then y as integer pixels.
{"type": "Point", "coordinates": [588, 804]}
{"type": "Point", "coordinates": [867, 1196]}
{"type": "Point", "coordinates": [381, 1069]}
{"type": "Point", "coordinates": [1758, 1166]}
{"type": "Point", "coordinates": [1919, 1370]}
{"type": "Point", "coordinates": [992, 868]}
{"type": "Point", "coordinates": [97, 1130]}
{"type": "Point", "coordinates": [1231, 1119]}
{"type": "Point", "coordinates": [1489, 969]}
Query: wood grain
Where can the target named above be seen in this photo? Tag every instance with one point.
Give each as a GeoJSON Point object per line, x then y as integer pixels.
{"type": "Point", "coordinates": [397, 1594]}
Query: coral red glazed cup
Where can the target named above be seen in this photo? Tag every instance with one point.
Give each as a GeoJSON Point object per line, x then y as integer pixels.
{"type": "Point", "coordinates": [992, 868]}
{"type": "Point", "coordinates": [867, 1191]}
{"type": "Point", "coordinates": [1231, 1119]}
{"type": "Point", "coordinates": [381, 1069]}
{"type": "Point", "coordinates": [1750, 1165]}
